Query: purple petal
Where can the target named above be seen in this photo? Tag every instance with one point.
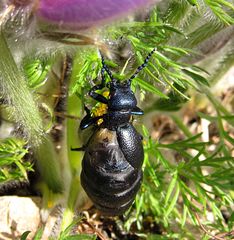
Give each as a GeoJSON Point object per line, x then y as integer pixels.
{"type": "Point", "coordinates": [82, 14]}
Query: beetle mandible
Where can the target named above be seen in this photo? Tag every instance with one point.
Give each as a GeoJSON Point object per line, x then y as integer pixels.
{"type": "Point", "coordinates": [111, 167]}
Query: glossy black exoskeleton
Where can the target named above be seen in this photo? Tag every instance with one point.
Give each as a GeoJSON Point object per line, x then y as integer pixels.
{"type": "Point", "coordinates": [111, 168]}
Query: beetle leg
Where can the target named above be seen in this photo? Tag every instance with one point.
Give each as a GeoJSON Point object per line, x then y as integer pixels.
{"type": "Point", "coordinates": [96, 96]}
{"type": "Point", "coordinates": [137, 111]}
{"type": "Point", "coordinates": [142, 138]}
{"type": "Point", "coordinates": [87, 111]}
{"type": "Point", "coordinates": [88, 121]}
{"type": "Point", "coordinates": [83, 148]}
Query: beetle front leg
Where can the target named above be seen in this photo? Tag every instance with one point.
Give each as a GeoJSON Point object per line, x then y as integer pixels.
{"type": "Point", "coordinates": [98, 97]}
{"type": "Point", "coordinates": [88, 121]}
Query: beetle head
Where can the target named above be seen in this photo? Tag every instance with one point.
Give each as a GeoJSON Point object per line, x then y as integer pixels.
{"type": "Point", "coordinates": [121, 96]}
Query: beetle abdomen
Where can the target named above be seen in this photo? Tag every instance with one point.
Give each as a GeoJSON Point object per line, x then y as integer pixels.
{"type": "Point", "coordinates": [107, 177]}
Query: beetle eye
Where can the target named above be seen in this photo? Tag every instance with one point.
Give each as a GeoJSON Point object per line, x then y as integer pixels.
{"type": "Point", "coordinates": [128, 83]}
{"type": "Point", "coordinates": [113, 83]}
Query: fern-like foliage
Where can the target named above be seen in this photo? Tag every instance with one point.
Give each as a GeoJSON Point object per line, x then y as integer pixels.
{"type": "Point", "coordinates": [12, 164]}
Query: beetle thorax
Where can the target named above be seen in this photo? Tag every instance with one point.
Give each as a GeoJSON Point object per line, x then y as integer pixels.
{"type": "Point", "coordinates": [121, 102]}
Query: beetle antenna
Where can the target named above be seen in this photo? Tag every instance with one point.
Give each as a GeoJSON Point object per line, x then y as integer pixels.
{"type": "Point", "coordinates": [142, 65]}
{"type": "Point", "coordinates": [106, 68]}
{"type": "Point", "coordinates": [103, 77]}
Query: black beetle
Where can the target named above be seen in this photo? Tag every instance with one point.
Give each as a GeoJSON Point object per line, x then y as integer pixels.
{"type": "Point", "coordinates": [111, 168]}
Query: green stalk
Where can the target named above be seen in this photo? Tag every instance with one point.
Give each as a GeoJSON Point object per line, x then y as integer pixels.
{"type": "Point", "coordinates": [48, 164]}
{"type": "Point", "coordinates": [74, 108]}
{"type": "Point", "coordinates": [14, 91]}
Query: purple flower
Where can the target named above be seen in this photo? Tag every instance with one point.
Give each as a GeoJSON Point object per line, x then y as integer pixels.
{"type": "Point", "coordinates": [83, 14]}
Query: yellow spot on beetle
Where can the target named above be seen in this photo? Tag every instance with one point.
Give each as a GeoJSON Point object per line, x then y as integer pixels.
{"type": "Point", "coordinates": [100, 108]}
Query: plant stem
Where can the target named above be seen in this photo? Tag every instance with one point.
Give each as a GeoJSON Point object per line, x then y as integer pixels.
{"type": "Point", "coordinates": [74, 108]}
{"type": "Point", "coordinates": [15, 92]}
{"type": "Point", "coordinates": [48, 164]}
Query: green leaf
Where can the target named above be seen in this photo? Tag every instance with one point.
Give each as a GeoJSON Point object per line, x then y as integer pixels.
{"type": "Point", "coordinates": [189, 204]}
{"type": "Point", "coordinates": [36, 72]}
{"type": "Point", "coordinates": [145, 131]}
{"type": "Point", "coordinates": [173, 201]}
{"type": "Point", "coordinates": [216, 210]}
{"type": "Point", "coordinates": [171, 187]}
{"type": "Point", "coordinates": [162, 159]}
{"type": "Point", "coordinates": [173, 29]}
{"type": "Point", "coordinates": [187, 143]}
{"type": "Point", "coordinates": [157, 237]}
{"type": "Point", "coordinates": [196, 77]}
{"type": "Point", "coordinates": [214, 161]}
{"type": "Point", "coordinates": [193, 2]}
{"type": "Point", "coordinates": [166, 60]}
{"type": "Point", "coordinates": [150, 87]}
{"type": "Point", "coordinates": [185, 213]}
{"type": "Point", "coordinates": [38, 235]}
{"type": "Point", "coordinates": [215, 118]}
{"type": "Point", "coordinates": [185, 188]}
{"type": "Point", "coordinates": [175, 50]}
{"type": "Point", "coordinates": [64, 234]}
{"type": "Point", "coordinates": [24, 235]}
{"type": "Point", "coordinates": [12, 152]}
{"type": "Point", "coordinates": [217, 6]}
{"type": "Point", "coordinates": [80, 237]}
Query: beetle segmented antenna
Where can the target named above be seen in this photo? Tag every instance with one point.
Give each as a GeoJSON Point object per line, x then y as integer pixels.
{"type": "Point", "coordinates": [103, 77]}
{"type": "Point", "coordinates": [142, 65]}
{"type": "Point", "coordinates": [106, 68]}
